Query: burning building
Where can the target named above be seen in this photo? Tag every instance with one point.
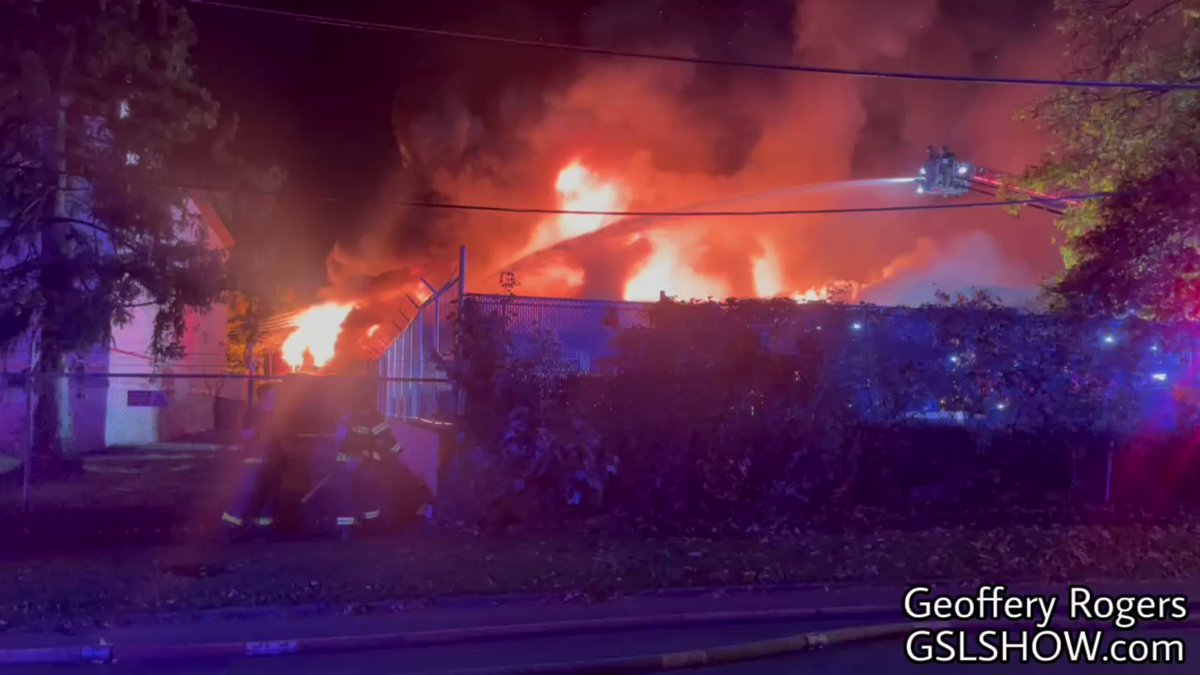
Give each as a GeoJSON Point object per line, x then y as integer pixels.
{"type": "Point", "coordinates": [614, 135]}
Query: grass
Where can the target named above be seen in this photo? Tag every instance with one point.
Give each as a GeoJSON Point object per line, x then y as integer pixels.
{"type": "Point", "coordinates": [104, 586]}
{"type": "Point", "coordinates": [72, 570]}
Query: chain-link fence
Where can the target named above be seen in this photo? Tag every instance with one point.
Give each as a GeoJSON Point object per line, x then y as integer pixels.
{"type": "Point", "coordinates": [414, 362]}
{"type": "Point", "coordinates": [946, 351]}
{"type": "Point", "coordinates": [582, 330]}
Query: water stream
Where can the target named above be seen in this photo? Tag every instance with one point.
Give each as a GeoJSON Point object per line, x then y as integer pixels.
{"type": "Point", "coordinates": [635, 224]}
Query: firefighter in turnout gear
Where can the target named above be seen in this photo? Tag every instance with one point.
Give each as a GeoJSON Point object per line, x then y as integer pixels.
{"type": "Point", "coordinates": [366, 453]}
{"type": "Point", "coordinates": [256, 491]}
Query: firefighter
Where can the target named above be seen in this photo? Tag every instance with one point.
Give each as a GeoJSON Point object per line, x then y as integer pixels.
{"type": "Point", "coordinates": [256, 492]}
{"type": "Point", "coordinates": [951, 163]}
{"type": "Point", "coordinates": [364, 459]}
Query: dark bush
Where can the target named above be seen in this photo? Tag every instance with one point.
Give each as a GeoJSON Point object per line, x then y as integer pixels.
{"type": "Point", "coordinates": [757, 414]}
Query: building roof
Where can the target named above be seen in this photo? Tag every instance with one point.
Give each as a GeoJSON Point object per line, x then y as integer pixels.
{"type": "Point", "coordinates": [212, 219]}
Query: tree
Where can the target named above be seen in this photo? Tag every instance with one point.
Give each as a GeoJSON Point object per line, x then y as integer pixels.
{"type": "Point", "coordinates": [255, 291]}
{"type": "Point", "coordinates": [1141, 258]}
{"type": "Point", "coordinates": [1133, 255]}
{"type": "Point", "coordinates": [96, 96]}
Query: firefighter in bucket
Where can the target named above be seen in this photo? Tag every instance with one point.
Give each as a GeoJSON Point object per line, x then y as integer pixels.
{"type": "Point", "coordinates": [367, 460]}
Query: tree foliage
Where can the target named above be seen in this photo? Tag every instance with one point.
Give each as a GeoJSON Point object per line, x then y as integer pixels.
{"type": "Point", "coordinates": [255, 289]}
{"type": "Point", "coordinates": [747, 413]}
{"type": "Point", "coordinates": [96, 98]}
{"type": "Point", "coordinates": [1142, 144]}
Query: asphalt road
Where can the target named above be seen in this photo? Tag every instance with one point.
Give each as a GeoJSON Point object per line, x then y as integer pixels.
{"type": "Point", "coordinates": [886, 656]}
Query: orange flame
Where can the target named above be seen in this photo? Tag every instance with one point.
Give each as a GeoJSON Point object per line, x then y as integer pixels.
{"type": "Point", "coordinates": [768, 272]}
{"type": "Point", "coordinates": [670, 267]}
{"type": "Point", "coordinates": [579, 189]}
{"type": "Point", "coordinates": [316, 334]}
{"type": "Point", "coordinates": [811, 295]}
{"type": "Point", "coordinates": [667, 271]}
{"type": "Point", "coordinates": [769, 281]}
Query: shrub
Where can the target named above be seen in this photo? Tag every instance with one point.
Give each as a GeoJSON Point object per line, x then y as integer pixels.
{"type": "Point", "coordinates": [748, 414]}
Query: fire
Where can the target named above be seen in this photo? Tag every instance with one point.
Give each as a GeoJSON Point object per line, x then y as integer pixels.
{"type": "Point", "coordinates": [670, 266]}
{"type": "Point", "coordinates": [768, 277]}
{"type": "Point", "coordinates": [768, 273]}
{"type": "Point", "coordinates": [579, 189]}
{"type": "Point", "coordinates": [316, 334]}
{"type": "Point", "coordinates": [667, 271]}
{"type": "Point", "coordinates": [811, 295]}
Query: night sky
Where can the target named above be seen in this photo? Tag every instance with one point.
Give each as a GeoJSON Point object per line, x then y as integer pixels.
{"type": "Point", "coordinates": [330, 104]}
{"type": "Point", "coordinates": [319, 100]}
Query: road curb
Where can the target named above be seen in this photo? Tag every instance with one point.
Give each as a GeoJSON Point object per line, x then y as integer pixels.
{"type": "Point", "coordinates": [110, 653]}
{"type": "Point", "coordinates": [409, 604]}
{"type": "Point", "coordinates": [105, 653]}
{"type": "Point", "coordinates": [748, 651]}
{"type": "Point", "coordinates": [417, 603]}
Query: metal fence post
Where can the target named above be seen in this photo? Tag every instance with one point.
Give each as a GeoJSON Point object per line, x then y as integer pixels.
{"type": "Point", "coordinates": [420, 361]}
{"type": "Point", "coordinates": [460, 396]}
{"type": "Point", "coordinates": [437, 324]}
{"type": "Point", "coordinates": [462, 272]}
{"type": "Point", "coordinates": [409, 386]}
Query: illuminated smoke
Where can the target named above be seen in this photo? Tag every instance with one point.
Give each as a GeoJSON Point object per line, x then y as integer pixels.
{"type": "Point", "coordinates": [601, 134]}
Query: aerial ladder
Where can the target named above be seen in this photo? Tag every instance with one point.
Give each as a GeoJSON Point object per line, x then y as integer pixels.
{"type": "Point", "coordinates": [944, 175]}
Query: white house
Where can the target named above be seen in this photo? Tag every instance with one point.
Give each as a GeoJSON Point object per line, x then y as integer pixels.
{"type": "Point", "coordinates": [142, 410]}
{"type": "Point", "coordinates": [117, 410]}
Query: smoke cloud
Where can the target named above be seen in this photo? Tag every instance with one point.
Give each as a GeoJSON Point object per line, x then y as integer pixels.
{"type": "Point", "coordinates": [676, 135]}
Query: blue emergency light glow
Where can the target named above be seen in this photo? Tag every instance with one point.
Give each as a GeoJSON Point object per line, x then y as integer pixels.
{"type": "Point", "coordinates": [1108, 339]}
{"type": "Point", "coordinates": [1000, 406]}
{"type": "Point", "coordinates": [1159, 377]}
{"type": "Point", "coordinates": [953, 358]}
{"type": "Point", "coordinates": [856, 326]}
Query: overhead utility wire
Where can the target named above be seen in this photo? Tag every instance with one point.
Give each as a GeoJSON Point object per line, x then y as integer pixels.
{"type": "Point", "coordinates": [489, 208]}
{"type": "Point", "coordinates": [738, 214]}
{"type": "Point", "coordinates": [675, 58]}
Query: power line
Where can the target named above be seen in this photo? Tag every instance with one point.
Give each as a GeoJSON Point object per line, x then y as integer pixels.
{"type": "Point", "coordinates": [675, 58]}
{"type": "Point", "coordinates": [490, 208]}
{"type": "Point", "coordinates": [742, 214]}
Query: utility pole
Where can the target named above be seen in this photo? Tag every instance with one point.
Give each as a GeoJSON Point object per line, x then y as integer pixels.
{"type": "Point", "coordinates": [47, 369]}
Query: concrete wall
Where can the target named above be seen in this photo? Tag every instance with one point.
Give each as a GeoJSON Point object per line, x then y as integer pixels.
{"type": "Point", "coordinates": [423, 447]}
{"type": "Point", "coordinates": [191, 402]}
